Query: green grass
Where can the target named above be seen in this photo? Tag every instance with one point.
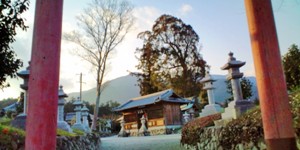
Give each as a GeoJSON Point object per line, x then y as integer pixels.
{"type": "Point", "coordinates": [5, 121]}
{"type": "Point", "coordinates": [78, 132]}
{"type": "Point", "coordinates": [61, 132]}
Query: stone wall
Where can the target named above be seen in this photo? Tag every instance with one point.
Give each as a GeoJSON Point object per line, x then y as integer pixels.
{"type": "Point", "coordinates": [88, 142]}
{"type": "Point", "coordinates": [212, 138]}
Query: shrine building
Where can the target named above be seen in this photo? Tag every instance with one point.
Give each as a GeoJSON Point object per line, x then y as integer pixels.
{"type": "Point", "coordinates": [161, 110]}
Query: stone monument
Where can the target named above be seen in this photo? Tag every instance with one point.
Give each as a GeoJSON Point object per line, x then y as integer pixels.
{"type": "Point", "coordinates": [238, 106]}
{"type": "Point", "coordinates": [20, 120]}
{"type": "Point", "coordinates": [78, 125]}
{"type": "Point", "coordinates": [85, 113]}
{"type": "Point", "coordinates": [122, 132]}
{"type": "Point", "coordinates": [61, 124]}
{"type": "Point", "coordinates": [143, 131]}
{"type": "Point", "coordinates": [211, 108]}
{"type": "Point", "coordinates": [186, 117]}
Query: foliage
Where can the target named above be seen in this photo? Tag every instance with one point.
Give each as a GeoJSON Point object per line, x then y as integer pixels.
{"type": "Point", "coordinates": [291, 65]}
{"type": "Point", "coordinates": [5, 121]}
{"type": "Point", "coordinates": [104, 24]}
{"type": "Point", "coordinates": [246, 86]}
{"type": "Point", "coordinates": [69, 107]}
{"type": "Point", "coordinates": [10, 20]}
{"type": "Point", "coordinates": [170, 58]}
{"type": "Point", "coordinates": [105, 110]}
{"type": "Point", "coordinates": [20, 106]}
{"type": "Point", "coordinates": [11, 138]}
{"type": "Point", "coordinates": [78, 132]}
{"type": "Point", "coordinates": [243, 130]}
{"type": "Point", "coordinates": [191, 130]}
{"type": "Point", "coordinates": [295, 102]}
{"type": "Point", "coordinates": [7, 102]}
{"type": "Point", "coordinates": [61, 132]}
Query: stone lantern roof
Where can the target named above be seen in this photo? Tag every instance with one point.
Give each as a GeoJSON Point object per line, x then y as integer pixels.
{"type": "Point", "coordinates": [61, 96]}
{"type": "Point", "coordinates": [77, 103]}
{"type": "Point", "coordinates": [24, 73]}
{"type": "Point", "coordinates": [84, 109]}
{"type": "Point", "coordinates": [207, 78]}
{"type": "Point", "coordinates": [232, 63]}
{"type": "Point", "coordinates": [61, 93]}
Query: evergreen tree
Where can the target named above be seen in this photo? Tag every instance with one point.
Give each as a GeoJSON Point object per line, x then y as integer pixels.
{"type": "Point", "coordinates": [291, 65]}
{"type": "Point", "coordinates": [246, 86]}
{"type": "Point", "coordinates": [170, 58]}
{"type": "Point", "coordinates": [10, 20]}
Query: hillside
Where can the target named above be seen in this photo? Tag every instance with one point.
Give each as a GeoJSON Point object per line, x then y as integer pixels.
{"type": "Point", "coordinates": [123, 88]}
{"type": "Point", "coordinates": [120, 89]}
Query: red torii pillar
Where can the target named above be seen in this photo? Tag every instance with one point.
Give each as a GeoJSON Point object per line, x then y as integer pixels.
{"type": "Point", "coordinates": [275, 108]}
{"type": "Point", "coordinates": [41, 120]}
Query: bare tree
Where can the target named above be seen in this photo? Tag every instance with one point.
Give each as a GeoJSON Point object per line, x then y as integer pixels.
{"type": "Point", "coordinates": [103, 25]}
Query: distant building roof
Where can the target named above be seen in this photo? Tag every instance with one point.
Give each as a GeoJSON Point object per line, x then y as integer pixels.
{"type": "Point", "coordinates": [166, 96]}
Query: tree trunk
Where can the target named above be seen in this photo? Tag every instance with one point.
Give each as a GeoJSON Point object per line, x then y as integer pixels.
{"type": "Point", "coordinates": [96, 109]}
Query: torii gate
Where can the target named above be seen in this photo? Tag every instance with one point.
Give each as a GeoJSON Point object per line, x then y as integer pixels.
{"type": "Point", "coordinates": [44, 76]}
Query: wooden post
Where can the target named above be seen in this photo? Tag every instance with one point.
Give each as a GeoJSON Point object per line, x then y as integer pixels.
{"type": "Point", "coordinates": [275, 108]}
{"type": "Point", "coordinates": [41, 121]}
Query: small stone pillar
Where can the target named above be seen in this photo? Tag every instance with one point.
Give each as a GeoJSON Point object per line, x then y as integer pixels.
{"type": "Point", "coordinates": [85, 113]}
{"type": "Point", "coordinates": [78, 124]}
{"type": "Point", "coordinates": [122, 132]}
{"type": "Point", "coordinates": [61, 124]}
{"type": "Point", "coordinates": [20, 120]}
{"type": "Point", "coordinates": [143, 130]}
{"type": "Point", "coordinates": [211, 108]}
{"type": "Point", "coordinates": [238, 105]}
{"type": "Point", "coordinates": [186, 117]}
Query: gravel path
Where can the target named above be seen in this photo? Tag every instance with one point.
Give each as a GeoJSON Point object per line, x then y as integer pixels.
{"type": "Point", "coordinates": [159, 142]}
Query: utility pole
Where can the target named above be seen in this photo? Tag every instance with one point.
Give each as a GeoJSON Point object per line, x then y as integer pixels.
{"type": "Point", "coordinates": [41, 121]}
{"type": "Point", "coordinates": [80, 89]}
{"type": "Point", "coordinates": [272, 90]}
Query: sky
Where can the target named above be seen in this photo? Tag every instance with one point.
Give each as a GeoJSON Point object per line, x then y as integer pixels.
{"type": "Point", "coordinates": [221, 25]}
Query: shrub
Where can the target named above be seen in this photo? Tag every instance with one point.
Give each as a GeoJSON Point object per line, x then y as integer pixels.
{"type": "Point", "coordinates": [192, 130]}
{"type": "Point", "coordinates": [246, 128]}
{"type": "Point", "coordinates": [11, 138]}
{"type": "Point", "coordinates": [61, 132]}
{"type": "Point", "coordinates": [5, 121]}
{"type": "Point", "coordinates": [78, 132]}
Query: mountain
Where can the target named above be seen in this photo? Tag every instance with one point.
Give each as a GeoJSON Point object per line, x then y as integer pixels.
{"type": "Point", "coordinates": [120, 89]}
{"type": "Point", "coordinates": [124, 88]}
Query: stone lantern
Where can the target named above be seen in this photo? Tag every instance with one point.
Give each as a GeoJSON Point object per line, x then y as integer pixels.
{"type": "Point", "coordinates": [61, 124]}
{"type": "Point", "coordinates": [85, 113]}
{"type": "Point", "coordinates": [238, 105]}
{"type": "Point", "coordinates": [24, 74]}
{"type": "Point", "coordinates": [20, 120]}
{"type": "Point", "coordinates": [186, 117]}
{"type": "Point", "coordinates": [143, 130]}
{"type": "Point", "coordinates": [78, 124]}
{"type": "Point", "coordinates": [211, 108]}
{"type": "Point", "coordinates": [122, 132]}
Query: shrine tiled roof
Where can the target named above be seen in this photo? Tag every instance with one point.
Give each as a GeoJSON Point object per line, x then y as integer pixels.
{"type": "Point", "coordinates": [165, 96]}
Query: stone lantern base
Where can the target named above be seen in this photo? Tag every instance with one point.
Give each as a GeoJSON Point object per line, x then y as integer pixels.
{"type": "Point", "coordinates": [79, 127]}
{"type": "Point", "coordinates": [123, 134]}
{"type": "Point", "coordinates": [19, 122]}
{"type": "Point", "coordinates": [64, 126]}
{"type": "Point", "coordinates": [236, 109]}
{"type": "Point", "coordinates": [211, 109]}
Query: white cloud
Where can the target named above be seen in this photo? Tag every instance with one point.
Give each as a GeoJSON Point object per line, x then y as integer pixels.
{"type": "Point", "coordinates": [185, 9]}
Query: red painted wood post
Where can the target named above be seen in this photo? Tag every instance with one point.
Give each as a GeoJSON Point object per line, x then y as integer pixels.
{"type": "Point", "coordinates": [41, 120]}
{"type": "Point", "coordinates": [275, 108]}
